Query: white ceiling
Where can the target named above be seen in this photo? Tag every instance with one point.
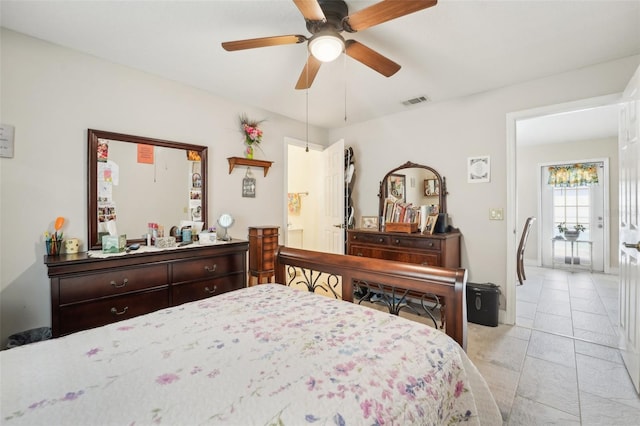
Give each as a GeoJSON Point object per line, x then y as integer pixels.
{"type": "Point", "coordinates": [454, 49]}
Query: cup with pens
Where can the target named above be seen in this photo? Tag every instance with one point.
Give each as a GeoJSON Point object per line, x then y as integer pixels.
{"type": "Point", "coordinates": [53, 241]}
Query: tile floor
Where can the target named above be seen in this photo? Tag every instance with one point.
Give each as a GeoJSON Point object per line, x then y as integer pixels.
{"type": "Point", "coordinates": [558, 364]}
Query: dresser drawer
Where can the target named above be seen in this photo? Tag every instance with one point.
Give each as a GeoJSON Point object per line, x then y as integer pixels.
{"type": "Point", "coordinates": [120, 281]}
{"type": "Point", "coordinates": [86, 315]}
{"type": "Point", "coordinates": [208, 268]}
{"type": "Point", "coordinates": [366, 238]}
{"type": "Point", "coordinates": [416, 243]}
{"type": "Point", "coordinates": [183, 293]}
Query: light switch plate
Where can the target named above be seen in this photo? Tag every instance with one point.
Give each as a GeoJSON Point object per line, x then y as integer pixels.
{"type": "Point", "coordinates": [496, 214]}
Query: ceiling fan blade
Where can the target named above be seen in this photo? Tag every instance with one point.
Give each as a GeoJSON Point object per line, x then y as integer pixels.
{"type": "Point", "coordinates": [310, 9]}
{"type": "Point", "coordinates": [263, 42]}
{"type": "Point", "coordinates": [383, 11]}
{"type": "Point", "coordinates": [371, 58]}
{"type": "Point", "coordinates": [308, 73]}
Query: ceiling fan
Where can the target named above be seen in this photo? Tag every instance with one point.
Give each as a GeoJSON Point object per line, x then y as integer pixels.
{"type": "Point", "coordinates": [325, 20]}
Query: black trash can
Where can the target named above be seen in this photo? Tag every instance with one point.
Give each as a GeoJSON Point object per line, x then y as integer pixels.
{"type": "Point", "coordinates": [483, 301]}
{"type": "Point", "coordinates": [29, 336]}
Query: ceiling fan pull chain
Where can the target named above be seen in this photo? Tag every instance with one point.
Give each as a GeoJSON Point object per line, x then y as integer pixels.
{"type": "Point", "coordinates": [307, 99]}
{"type": "Point", "coordinates": [345, 87]}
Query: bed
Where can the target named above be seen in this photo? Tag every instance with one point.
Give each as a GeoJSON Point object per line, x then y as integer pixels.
{"type": "Point", "coordinates": [268, 354]}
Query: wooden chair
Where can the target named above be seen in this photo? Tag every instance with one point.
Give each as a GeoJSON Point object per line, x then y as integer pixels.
{"type": "Point", "coordinates": [521, 247]}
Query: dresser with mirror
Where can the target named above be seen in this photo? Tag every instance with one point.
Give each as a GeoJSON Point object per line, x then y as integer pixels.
{"type": "Point", "coordinates": [132, 181]}
{"type": "Point", "coordinates": [426, 239]}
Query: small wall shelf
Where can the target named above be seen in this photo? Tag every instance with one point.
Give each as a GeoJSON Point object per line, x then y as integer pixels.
{"type": "Point", "coordinates": [239, 161]}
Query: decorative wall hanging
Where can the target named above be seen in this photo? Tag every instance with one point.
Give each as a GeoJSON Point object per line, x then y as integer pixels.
{"type": "Point", "coordinates": [249, 185]}
{"type": "Point", "coordinates": [479, 169]}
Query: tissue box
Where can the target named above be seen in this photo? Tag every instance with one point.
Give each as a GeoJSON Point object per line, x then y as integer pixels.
{"type": "Point", "coordinates": [114, 243]}
{"type": "Point", "coordinates": [165, 242]}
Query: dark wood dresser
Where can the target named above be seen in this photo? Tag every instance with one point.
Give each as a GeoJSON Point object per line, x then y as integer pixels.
{"type": "Point", "coordinates": [263, 242]}
{"type": "Point", "coordinates": [432, 250]}
{"type": "Point", "coordinates": [88, 292]}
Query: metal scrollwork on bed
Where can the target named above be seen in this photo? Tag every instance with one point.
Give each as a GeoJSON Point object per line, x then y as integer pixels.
{"type": "Point", "coordinates": [399, 285]}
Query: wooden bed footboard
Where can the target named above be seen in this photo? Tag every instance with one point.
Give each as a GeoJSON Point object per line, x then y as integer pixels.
{"type": "Point", "coordinates": [446, 283]}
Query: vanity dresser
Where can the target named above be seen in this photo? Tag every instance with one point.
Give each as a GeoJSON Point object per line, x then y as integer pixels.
{"type": "Point", "coordinates": [133, 181]}
{"type": "Point", "coordinates": [410, 184]}
{"type": "Point", "coordinates": [88, 292]}
{"type": "Point", "coordinates": [429, 250]}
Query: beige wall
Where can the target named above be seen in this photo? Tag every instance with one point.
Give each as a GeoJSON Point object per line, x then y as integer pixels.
{"type": "Point", "coordinates": [529, 160]}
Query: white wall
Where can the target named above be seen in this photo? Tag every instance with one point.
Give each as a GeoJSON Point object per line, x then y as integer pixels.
{"type": "Point", "coordinates": [529, 159]}
{"type": "Point", "coordinates": [52, 95]}
{"type": "Point", "coordinates": [444, 134]}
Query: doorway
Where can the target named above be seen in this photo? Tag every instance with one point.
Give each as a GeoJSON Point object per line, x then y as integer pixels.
{"type": "Point", "coordinates": [516, 204]}
{"type": "Point", "coordinates": [314, 201]}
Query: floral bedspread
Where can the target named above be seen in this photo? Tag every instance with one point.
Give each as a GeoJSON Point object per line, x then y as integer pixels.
{"type": "Point", "coordinates": [264, 355]}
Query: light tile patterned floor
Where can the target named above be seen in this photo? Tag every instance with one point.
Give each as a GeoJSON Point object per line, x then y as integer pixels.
{"type": "Point", "coordinates": [558, 364]}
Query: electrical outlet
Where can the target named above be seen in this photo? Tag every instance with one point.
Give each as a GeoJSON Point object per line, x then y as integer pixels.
{"type": "Point", "coordinates": [496, 214]}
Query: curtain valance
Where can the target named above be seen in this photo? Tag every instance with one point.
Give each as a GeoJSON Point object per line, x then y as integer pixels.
{"type": "Point", "coordinates": [573, 175]}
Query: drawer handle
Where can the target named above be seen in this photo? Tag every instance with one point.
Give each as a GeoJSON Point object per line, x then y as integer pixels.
{"type": "Point", "coordinates": [359, 254]}
{"type": "Point", "coordinates": [380, 240]}
{"type": "Point", "coordinates": [397, 241]}
{"type": "Point", "coordinates": [116, 285]}
{"type": "Point", "coordinates": [208, 290]}
{"type": "Point", "coordinates": [211, 268]}
{"type": "Point", "coordinates": [122, 312]}
{"type": "Point", "coordinates": [425, 264]}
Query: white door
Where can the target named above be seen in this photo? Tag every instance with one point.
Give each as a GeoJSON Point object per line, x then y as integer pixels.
{"type": "Point", "coordinates": [629, 132]}
{"type": "Point", "coordinates": [596, 223]}
{"type": "Point", "coordinates": [333, 220]}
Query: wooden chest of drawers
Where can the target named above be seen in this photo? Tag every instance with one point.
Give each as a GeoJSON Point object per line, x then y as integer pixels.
{"type": "Point", "coordinates": [432, 250]}
{"type": "Point", "coordinates": [90, 292]}
{"type": "Point", "coordinates": [263, 243]}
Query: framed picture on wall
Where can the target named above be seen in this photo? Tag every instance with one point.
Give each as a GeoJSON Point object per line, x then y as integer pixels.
{"type": "Point", "coordinates": [479, 169]}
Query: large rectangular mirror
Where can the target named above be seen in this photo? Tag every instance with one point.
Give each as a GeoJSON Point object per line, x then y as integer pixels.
{"type": "Point", "coordinates": [134, 180]}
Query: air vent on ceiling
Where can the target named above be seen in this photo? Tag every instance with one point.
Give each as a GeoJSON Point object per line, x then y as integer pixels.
{"type": "Point", "coordinates": [414, 101]}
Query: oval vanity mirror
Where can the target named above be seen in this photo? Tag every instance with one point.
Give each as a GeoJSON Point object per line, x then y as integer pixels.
{"type": "Point", "coordinates": [225, 221]}
{"type": "Point", "coordinates": [134, 181]}
{"type": "Point", "coordinates": [414, 184]}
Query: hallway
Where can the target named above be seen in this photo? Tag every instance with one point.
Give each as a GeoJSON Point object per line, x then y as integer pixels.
{"type": "Point", "coordinates": [559, 364]}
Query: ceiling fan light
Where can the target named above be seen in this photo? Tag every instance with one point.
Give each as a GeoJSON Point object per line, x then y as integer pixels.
{"type": "Point", "coordinates": [327, 47]}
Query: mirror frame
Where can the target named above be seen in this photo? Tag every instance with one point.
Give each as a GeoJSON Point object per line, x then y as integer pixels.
{"type": "Point", "coordinates": [92, 172]}
{"type": "Point", "coordinates": [442, 197]}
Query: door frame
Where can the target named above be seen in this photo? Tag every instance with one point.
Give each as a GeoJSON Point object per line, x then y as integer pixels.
{"type": "Point", "coordinates": [509, 316]}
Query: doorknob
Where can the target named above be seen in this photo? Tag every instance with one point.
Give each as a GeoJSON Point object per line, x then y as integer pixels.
{"type": "Point", "coordinates": [339, 226]}
{"type": "Point", "coordinates": [631, 245]}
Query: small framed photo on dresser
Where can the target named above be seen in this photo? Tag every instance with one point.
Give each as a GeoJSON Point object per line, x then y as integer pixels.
{"type": "Point", "coordinates": [369, 222]}
{"type": "Point", "coordinates": [431, 224]}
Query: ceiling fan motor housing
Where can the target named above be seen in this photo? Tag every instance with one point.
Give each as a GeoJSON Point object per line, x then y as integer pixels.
{"type": "Point", "coordinates": [334, 11]}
